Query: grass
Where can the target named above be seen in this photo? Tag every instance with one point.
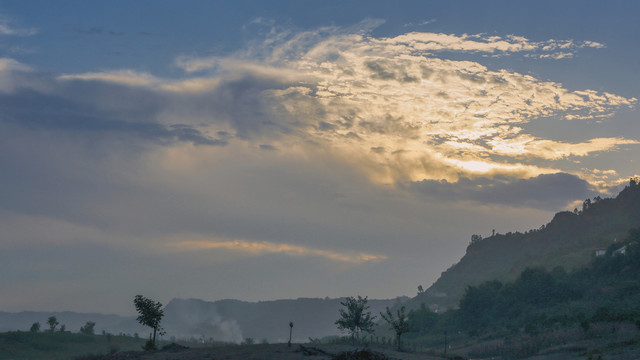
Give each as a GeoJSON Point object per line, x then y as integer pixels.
{"type": "Point", "coordinates": [18, 345]}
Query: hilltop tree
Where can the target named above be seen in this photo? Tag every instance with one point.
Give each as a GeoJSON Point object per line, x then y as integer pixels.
{"type": "Point", "coordinates": [52, 322]}
{"type": "Point", "coordinates": [399, 324]}
{"type": "Point", "coordinates": [355, 319]}
{"type": "Point", "coordinates": [150, 315]}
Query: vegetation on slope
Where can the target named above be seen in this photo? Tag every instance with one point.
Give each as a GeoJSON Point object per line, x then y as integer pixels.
{"type": "Point", "coordinates": [569, 240]}
{"type": "Point", "coordinates": [538, 301]}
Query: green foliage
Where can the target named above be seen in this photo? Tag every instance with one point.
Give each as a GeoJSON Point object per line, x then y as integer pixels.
{"type": "Point", "coordinates": [422, 320]}
{"type": "Point", "coordinates": [149, 345]}
{"type": "Point", "coordinates": [88, 328]}
{"type": "Point", "coordinates": [399, 324]}
{"type": "Point", "coordinates": [540, 301]}
{"type": "Point", "coordinates": [567, 241]}
{"type": "Point", "coordinates": [150, 314]}
{"type": "Point", "coordinates": [52, 322]}
{"type": "Point", "coordinates": [355, 319]}
{"type": "Point", "coordinates": [58, 346]}
{"type": "Point", "coordinates": [607, 290]}
{"type": "Point", "coordinates": [35, 327]}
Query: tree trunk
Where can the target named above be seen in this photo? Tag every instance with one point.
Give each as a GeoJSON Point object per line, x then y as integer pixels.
{"type": "Point", "coordinates": [398, 340]}
{"type": "Point", "coordinates": [154, 335]}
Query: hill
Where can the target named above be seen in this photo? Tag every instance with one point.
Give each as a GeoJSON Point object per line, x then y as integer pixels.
{"type": "Point", "coordinates": [570, 240]}
{"type": "Point", "coordinates": [234, 320]}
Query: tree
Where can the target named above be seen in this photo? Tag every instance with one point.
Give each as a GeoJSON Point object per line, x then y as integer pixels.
{"type": "Point", "coordinates": [290, 333]}
{"type": "Point", "coordinates": [35, 327]}
{"type": "Point", "coordinates": [420, 289]}
{"type": "Point", "coordinates": [150, 315]}
{"type": "Point", "coordinates": [355, 319]}
{"type": "Point", "coordinates": [399, 324]}
{"type": "Point", "coordinates": [53, 322]}
{"type": "Point", "coordinates": [88, 328]}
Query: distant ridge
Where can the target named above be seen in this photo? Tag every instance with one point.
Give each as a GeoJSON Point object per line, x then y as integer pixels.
{"type": "Point", "coordinates": [234, 320]}
{"type": "Point", "coordinates": [222, 320]}
{"type": "Point", "coordinates": [569, 240]}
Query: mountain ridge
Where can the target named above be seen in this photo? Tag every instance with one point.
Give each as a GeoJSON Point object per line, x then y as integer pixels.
{"type": "Point", "coordinates": [569, 240]}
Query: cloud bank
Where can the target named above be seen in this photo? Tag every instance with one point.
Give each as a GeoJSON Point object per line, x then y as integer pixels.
{"type": "Point", "coordinates": [325, 150]}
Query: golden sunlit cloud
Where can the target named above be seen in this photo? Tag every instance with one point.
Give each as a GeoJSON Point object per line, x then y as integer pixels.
{"type": "Point", "coordinates": [389, 106]}
{"type": "Point", "coordinates": [265, 247]}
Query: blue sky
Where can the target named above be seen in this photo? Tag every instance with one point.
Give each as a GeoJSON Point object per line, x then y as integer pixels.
{"type": "Point", "coordinates": [261, 150]}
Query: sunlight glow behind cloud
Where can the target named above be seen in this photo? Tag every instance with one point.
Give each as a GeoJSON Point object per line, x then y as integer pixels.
{"type": "Point", "coordinates": [391, 107]}
{"type": "Point", "coordinates": [265, 247]}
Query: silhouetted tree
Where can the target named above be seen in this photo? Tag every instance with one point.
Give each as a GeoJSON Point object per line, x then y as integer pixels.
{"type": "Point", "coordinates": [355, 319]}
{"type": "Point", "coordinates": [63, 328]}
{"type": "Point", "coordinates": [476, 238]}
{"type": "Point", "coordinates": [420, 289]}
{"type": "Point", "coordinates": [88, 328]}
{"type": "Point", "coordinates": [53, 322]}
{"type": "Point", "coordinates": [290, 332]}
{"type": "Point", "coordinates": [399, 324]}
{"type": "Point", "coordinates": [35, 327]}
{"type": "Point", "coordinates": [150, 315]}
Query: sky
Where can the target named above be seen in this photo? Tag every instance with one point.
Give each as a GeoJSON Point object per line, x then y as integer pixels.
{"type": "Point", "coordinates": [264, 150]}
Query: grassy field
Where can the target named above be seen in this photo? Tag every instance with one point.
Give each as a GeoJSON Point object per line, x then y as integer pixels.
{"type": "Point", "coordinates": [18, 345]}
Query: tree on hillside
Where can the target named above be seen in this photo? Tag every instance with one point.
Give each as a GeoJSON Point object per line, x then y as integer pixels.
{"type": "Point", "coordinates": [53, 322]}
{"type": "Point", "coordinates": [150, 315]}
{"type": "Point", "coordinates": [399, 324]}
{"type": "Point", "coordinates": [88, 328]}
{"type": "Point", "coordinates": [355, 319]}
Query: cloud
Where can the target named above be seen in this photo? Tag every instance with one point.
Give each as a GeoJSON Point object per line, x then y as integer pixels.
{"type": "Point", "coordinates": [491, 44]}
{"type": "Point", "coordinates": [387, 106]}
{"type": "Point", "coordinates": [421, 23]}
{"type": "Point", "coordinates": [265, 247]}
{"type": "Point", "coordinates": [14, 75]}
{"type": "Point", "coordinates": [546, 191]}
{"type": "Point", "coordinates": [7, 28]}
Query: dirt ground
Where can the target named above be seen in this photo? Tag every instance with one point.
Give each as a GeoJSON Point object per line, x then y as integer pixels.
{"type": "Point", "coordinates": [328, 351]}
{"type": "Point", "coordinates": [261, 352]}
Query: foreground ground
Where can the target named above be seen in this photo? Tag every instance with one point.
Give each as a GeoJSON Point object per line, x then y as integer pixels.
{"type": "Point", "coordinates": [334, 352]}
{"type": "Point", "coordinates": [266, 352]}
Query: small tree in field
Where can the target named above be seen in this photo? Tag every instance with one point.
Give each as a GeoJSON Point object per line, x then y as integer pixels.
{"type": "Point", "coordinates": [150, 315]}
{"type": "Point", "coordinates": [35, 327]}
{"type": "Point", "coordinates": [400, 324]}
{"type": "Point", "coordinates": [52, 322]}
{"type": "Point", "coordinates": [355, 319]}
{"type": "Point", "coordinates": [88, 328]}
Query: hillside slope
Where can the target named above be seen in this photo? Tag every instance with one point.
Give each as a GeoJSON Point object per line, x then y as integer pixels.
{"type": "Point", "coordinates": [569, 240]}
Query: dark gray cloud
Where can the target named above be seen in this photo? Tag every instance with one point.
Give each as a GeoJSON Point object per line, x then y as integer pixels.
{"type": "Point", "coordinates": [80, 114]}
{"type": "Point", "coordinates": [546, 191]}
